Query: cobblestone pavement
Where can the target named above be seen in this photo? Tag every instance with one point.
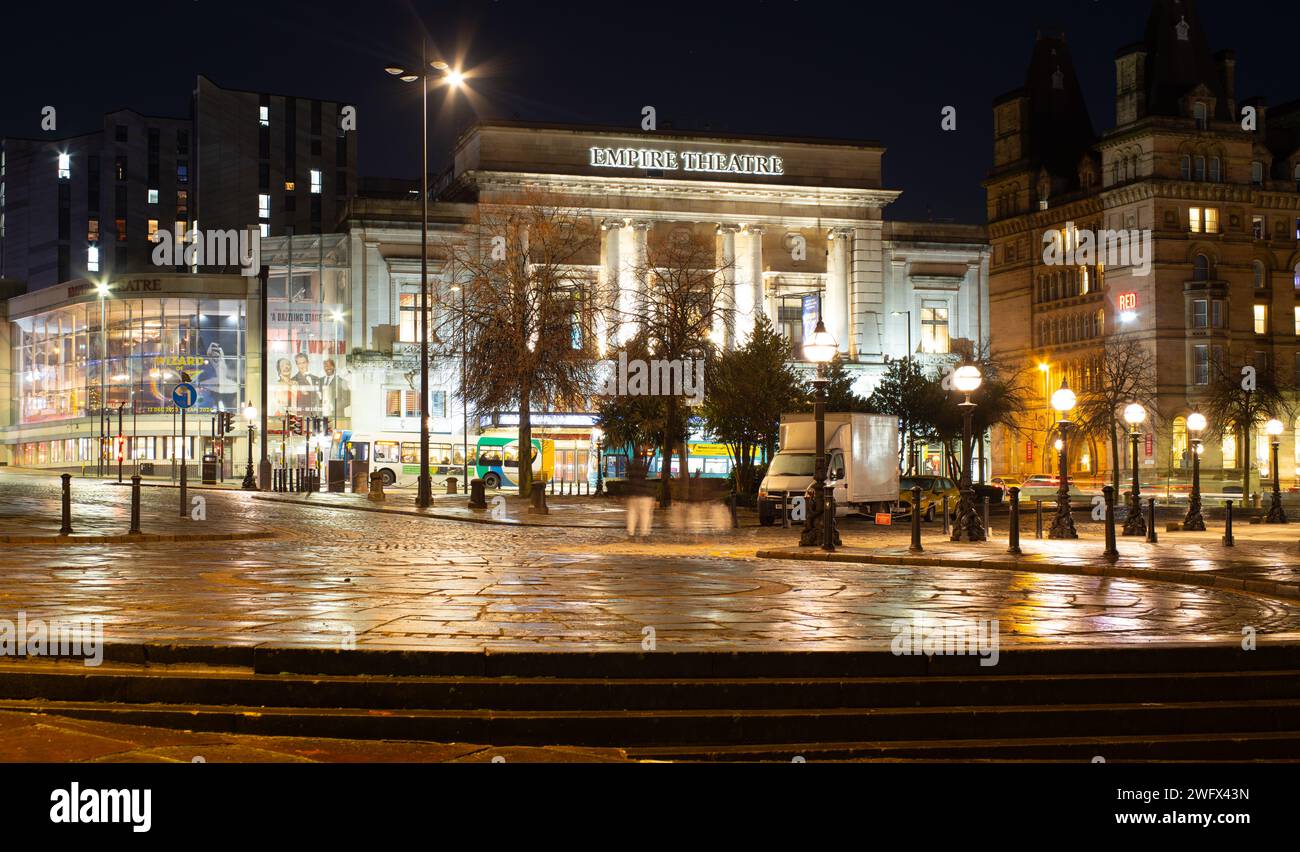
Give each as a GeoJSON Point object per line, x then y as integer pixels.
{"type": "Point", "coordinates": [392, 581]}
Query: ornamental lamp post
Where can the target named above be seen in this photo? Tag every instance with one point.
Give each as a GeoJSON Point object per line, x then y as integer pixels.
{"type": "Point", "coordinates": [1063, 402]}
{"type": "Point", "coordinates": [1276, 515]}
{"type": "Point", "coordinates": [1135, 524]}
{"type": "Point", "coordinates": [250, 482]}
{"type": "Point", "coordinates": [819, 521]}
{"type": "Point", "coordinates": [1195, 521]}
{"type": "Point", "coordinates": [967, 379]}
{"type": "Point", "coordinates": [599, 435]}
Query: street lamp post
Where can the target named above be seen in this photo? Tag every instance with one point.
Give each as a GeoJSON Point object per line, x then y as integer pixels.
{"type": "Point", "coordinates": [819, 520]}
{"type": "Point", "coordinates": [969, 527]}
{"type": "Point", "coordinates": [600, 466]}
{"type": "Point", "coordinates": [1276, 514]}
{"type": "Point", "coordinates": [911, 433]}
{"type": "Point", "coordinates": [1063, 402]}
{"type": "Point", "coordinates": [424, 484]}
{"type": "Point", "coordinates": [1135, 524]}
{"type": "Point", "coordinates": [1195, 521]}
{"type": "Point", "coordinates": [250, 481]}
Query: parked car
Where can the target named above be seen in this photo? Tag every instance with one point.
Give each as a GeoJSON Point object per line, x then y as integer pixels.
{"type": "Point", "coordinates": [989, 490]}
{"type": "Point", "coordinates": [1044, 487]}
{"type": "Point", "coordinates": [1006, 483]}
{"type": "Point", "coordinates": [933, 490]}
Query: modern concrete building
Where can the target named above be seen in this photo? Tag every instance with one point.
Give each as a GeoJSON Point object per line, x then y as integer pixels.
{"type": "Point", "coordinates": [88, 206]}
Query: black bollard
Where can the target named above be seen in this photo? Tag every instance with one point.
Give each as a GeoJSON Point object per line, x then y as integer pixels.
{"type": "Point", "coordinates": [831, 534]}
{"type": "Point", "coordinates": [135, 505]}
{"type": "Point", "coordinates": [785, 510]}
{"type": "Point", "coordinates": [987, 527]}
{"type": "Point", "coordinates": [66, 527]}
{"type": "Point", "coordinates": [1228, 540]}
{"type": "Point", "coordinates": [916, 521]}
{"type": "Point", "coordinates": [1112, 549]}
{"type": "Point", "coordinates": [945, 516]}
{"type": "Point", "coordinates": [1039, 531]}
{"type": "Point", "coordinates": [735, 519]}
{"type": "Point", "coordinates": [1013, 524]}
{"type": "Point", "coordinates": [1152, 538]}
{"type": "Point", "coordinates": [477, 494]}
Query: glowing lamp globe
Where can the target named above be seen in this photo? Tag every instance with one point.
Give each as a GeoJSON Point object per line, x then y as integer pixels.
{"type": "Point", "coordinates": [1196, 422]}
{"type": "Point", "coordinates": [1135, 415]}
{"type": "Point", "coordinates": [1064, 399]}
{"type": "Point", "coordinates": [967, 379]}
{"type": "Point", "coordinates": [1274, 427]}
{"type": "Point", "coordinates": [821, 347]}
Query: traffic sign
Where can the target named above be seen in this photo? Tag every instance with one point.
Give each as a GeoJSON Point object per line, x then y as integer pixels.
{"type": "Point", "coordinates": [185, 395]}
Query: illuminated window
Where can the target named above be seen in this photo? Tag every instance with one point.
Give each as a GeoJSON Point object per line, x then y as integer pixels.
{"type": "Point", "coordinates": [1194, 220]}
{"type": "Point", "coordinates": [181, 228]}
{"type": "Point", "coordinates": [153, 229]}
{"type": "Point", "coordinates": [1211, 220]}
{"type": "Point", "coordinates": [264, 207]}
{"type": "Point", "coordinates": [182, 172]}
{"type": "Point", "coordinates": [121, 230]}
{"type": "Point", "coordinates": [1257, 227]}
{"type": "Point", "coordinates": [1257, 268]}
{"type": "Point", "coordinates": [182, 198]}
{"type": "Point", "coordinates": [289, 186]}
{"type": "Point", "coordinates": [1261, 319]}
{"type": "Point", "coordinates": [1297, 322]}
{"type": "Point", "coordinates": [1201, 364]}
{"type": "Point", "coordinates": [934, 328]}
{"type": "Point", "coordinates": [315, 182]}
{"type": "Point", "coordinates": [264, 116]}
{"type": "Point", "coordinates": [92, 265]}
{"type": "Point", "coordinates": [65, 166]}
{"type": "Point", "coordinates": [265, 229]}
{"type": "Point", "coordinates": [1200, 313]}
{"type": "Point", "coordinates": [92, 230]}
{"type": "Point", "coordinates": [153, 196]}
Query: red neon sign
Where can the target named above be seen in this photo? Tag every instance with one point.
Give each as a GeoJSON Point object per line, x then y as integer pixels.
{"type": "Point", "coordinates": [1126, 302]}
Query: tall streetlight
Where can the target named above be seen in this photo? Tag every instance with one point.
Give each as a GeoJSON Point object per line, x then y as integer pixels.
{"type": "Point", "coordinates": [1276, 515]}
{"type": "Point", "coordinates": [1063, 402]}
{"type": "Point", "coordinates": [1135, 415]}
{"type": "Point", "coordinates": [250, 482]}
{"type": "Point", "coordinates": [967, 379]}
{"type": "Point", "coordinates": [424, 486]}
{"type": "Point", "coordinates": [599, 435]}
{"type": "Point", "coordinates": [820, 349]}
{"type": "Point", "coordinates": [1195, 522]}
{"type": "Point", "coordinates": [911, 432]}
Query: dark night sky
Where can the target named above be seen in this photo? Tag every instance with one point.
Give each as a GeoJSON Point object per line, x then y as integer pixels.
{"type": "Point", "coordinates": [845, 69]}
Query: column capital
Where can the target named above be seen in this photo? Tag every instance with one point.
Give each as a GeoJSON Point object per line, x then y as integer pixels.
{"type": "Point", "coordinates": [756, 230]}
{"type": "Point", "coordinates": [613, 224]}
{"type": "Point", "coordinates": [728, 229]}
{"type": "Point", "coordinates": [840, 233]}
{"type": "Point", "coordinates": [642, 225]}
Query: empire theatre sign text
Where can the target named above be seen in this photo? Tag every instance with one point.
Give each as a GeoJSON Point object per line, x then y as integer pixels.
{"type": "Point", "coordinates": [688, 161]}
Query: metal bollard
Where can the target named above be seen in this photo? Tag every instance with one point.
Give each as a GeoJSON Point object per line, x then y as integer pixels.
{"type": "Point", "coordinates": [1112, 549]}
{"type": "Point", "coordinates": [477, 494]}
{"type": "Point", "coordinates": [135, 505]}
{"type": "Point", "coordinates": [945, 515]}
{"type": "Point", "coordinates": [66, 527]}
{"type": "Point", "coordinates": [828, 519]}
{"type": "Point", "coordinates": [451, 485]}
{"type": "Point", "coordinates": [539, 506]}
{"type": "Point", "coordinates": [1039, 531]}
{"type": "Point", "coordinates": [184, 489]}
{"type": "Point", "coordinates": [916, 521]}
{"type": "Point", "coordinates": [785, 510]}
{"type": "Point", "coordinates": [987, 527]}
{"type": "Point", "coordinates": [1013, 525]}
{"type": "Point", "coordinates": [735, 519]}
{"type": "Point", "coordinates": [1228, 540]}
{"type": "Point", "coordinates": [1152, 538]}
{"type": "Point", "coordinates": [376, 487]}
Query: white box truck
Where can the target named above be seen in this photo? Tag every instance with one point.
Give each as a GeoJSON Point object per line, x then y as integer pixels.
{"type": "Point", "coordinates": [863, 453]}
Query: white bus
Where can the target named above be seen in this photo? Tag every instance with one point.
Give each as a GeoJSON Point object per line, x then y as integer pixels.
{"type": "Point", "coordinates": [397, 456]}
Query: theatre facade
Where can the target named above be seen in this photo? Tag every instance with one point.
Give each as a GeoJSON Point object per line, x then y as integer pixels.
{"type": "Point", "coordinates": [798, 224]}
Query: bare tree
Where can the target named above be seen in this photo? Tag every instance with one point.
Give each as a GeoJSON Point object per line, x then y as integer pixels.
{"type": "Point", "coordinates": [528, 312]}
{"type": "Point", "coordinates": [1126, 374]}
{"type": "Point", "coordinates": [1237, 403]}
{"type": "Point", "coordinates": [682, 308]}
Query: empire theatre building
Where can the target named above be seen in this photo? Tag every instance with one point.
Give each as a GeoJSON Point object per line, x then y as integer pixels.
{"type": "Point", "coordinates": [790, 218]}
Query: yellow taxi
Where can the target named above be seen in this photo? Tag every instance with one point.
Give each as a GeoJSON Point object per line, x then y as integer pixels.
{"type": "Point", "coordinates": [933, 490]}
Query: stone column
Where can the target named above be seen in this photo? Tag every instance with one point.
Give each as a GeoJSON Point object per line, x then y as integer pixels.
{"type": "Point", "coordinates": [835, 310]}
{"type": "Point", "coordinates": [758, 293]}
{"type": "Point", "coordinates": [866, 290]}
{"type": "Point", "coordinates": [632, 284]}
{"type": "Point", "coordinates": [609, 317]}
{"type": "Point", "coordinates": [729, 333]}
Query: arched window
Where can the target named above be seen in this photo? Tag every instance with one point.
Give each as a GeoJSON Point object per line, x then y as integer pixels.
{"type": "Point", "coordinates": [1200, 168]}
{"type": "Point", "coordinates": [1260, 280]}
{"type": "Point", "coordinates": [1257, 173]}
{"type": "Point", "coordinates": [1100, 324]}
{"type": "Point", "coordinates": [1083, 280]}
{"type": "Point", "coordinates": [1230, 450]}
{"type": "Point", "coordinates": [1214, 169]}
{"type": "Point", "coordinates": [1202, 121]}
{"type": "Point", "coordinates": [1201, 268]}
{"type": "Point", "coordinates": [1185, 167]}
{"type": "Point", "coordinates": [1179, 447]}
{"type": "Point", "coordinates": [1297, 276]}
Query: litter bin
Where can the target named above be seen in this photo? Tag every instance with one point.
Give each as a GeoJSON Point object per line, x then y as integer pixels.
{"type": "Point", "coordinates": [146, 468]}
{"type": "Point", "coordinates": [336, 472]}
{"type": "Point", "coordinates": [209, 469]}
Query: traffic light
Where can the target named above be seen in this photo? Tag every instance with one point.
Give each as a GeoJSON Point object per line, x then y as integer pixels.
{"type": "Point", "coordinates": [325, 423]}
{"type": "Point", "coordinates": [225, 422]}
